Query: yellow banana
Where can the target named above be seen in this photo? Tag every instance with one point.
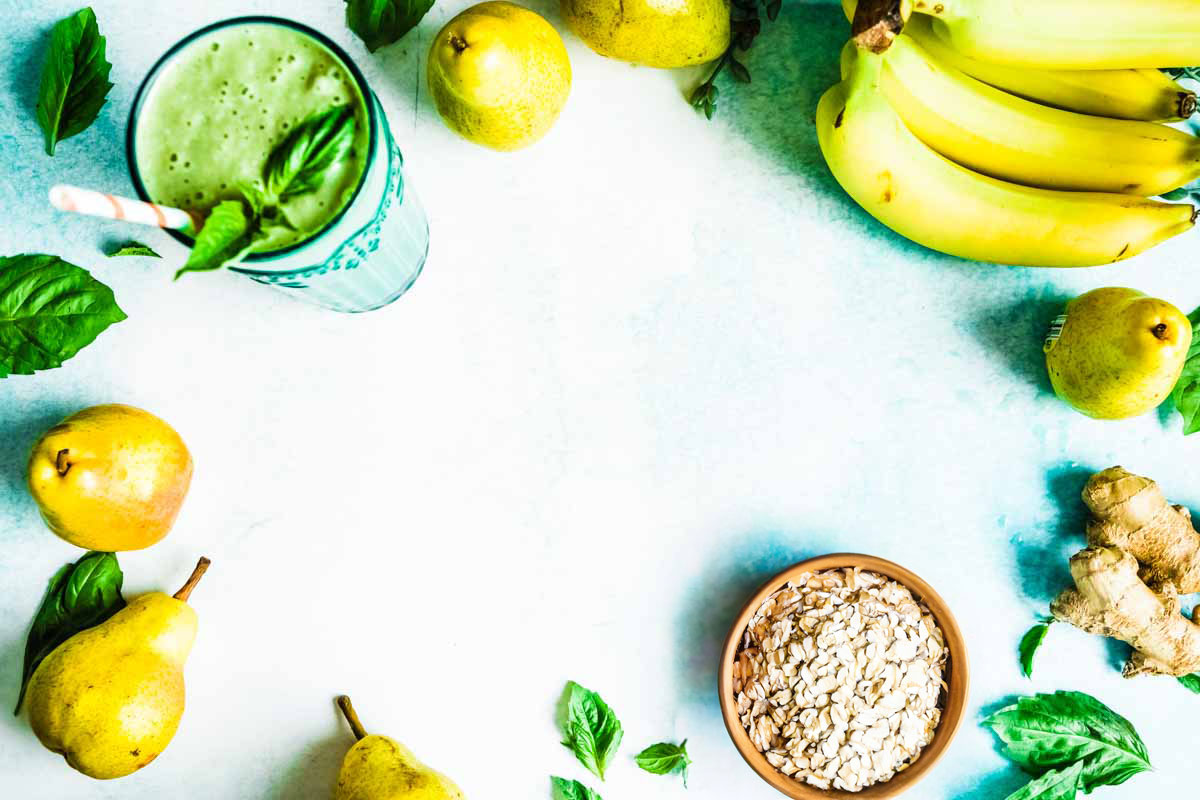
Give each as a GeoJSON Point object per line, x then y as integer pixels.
{"type": "Point", "coordinates": [1007, 137]}
{"type": "Point", "coordinates": [935, 202]}
{"type": "Point", "coordinates": [1070, 34]}
{"type": "Point", "coordinates": [1145, 94]}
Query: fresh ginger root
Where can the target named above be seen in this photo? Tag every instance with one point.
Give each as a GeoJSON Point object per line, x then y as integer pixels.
{"type": "Point", "coordinates": [1129, 512]}
{"type": "Point", "coordinates": [1142, 552]}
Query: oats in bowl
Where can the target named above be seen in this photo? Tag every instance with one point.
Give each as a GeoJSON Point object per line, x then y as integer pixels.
{"type": "Point", "coordinates": [838, 677]}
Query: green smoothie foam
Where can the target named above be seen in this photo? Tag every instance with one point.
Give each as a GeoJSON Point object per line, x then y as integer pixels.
{"type": "Point", "coordinates": [222, 103]}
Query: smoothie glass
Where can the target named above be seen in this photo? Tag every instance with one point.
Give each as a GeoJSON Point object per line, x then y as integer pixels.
{"type": "Point", "coordinates": [365, 256]}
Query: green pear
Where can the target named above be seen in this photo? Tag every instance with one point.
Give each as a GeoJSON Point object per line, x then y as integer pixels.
{"type": "Point", "coordinates": [499, 75]}
{"type": "Point", "coordinates": [1117, 353]}
{"type": "Point", "coordinates": [379, 768]}
{"type": "Point", "coordinates": [110, 698]}
{"type": "Point", "coordinates": [657, 33]}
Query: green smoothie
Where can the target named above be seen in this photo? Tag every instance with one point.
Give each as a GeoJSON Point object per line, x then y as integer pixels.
{"type": "Point", "coordinates": [224, 101]}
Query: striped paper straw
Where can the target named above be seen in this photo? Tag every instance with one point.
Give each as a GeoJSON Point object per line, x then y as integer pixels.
{"type": "Point", "coordinates": [98, 204]}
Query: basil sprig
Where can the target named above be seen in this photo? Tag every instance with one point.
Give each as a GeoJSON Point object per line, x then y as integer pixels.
{"type": "Point", "coordinates": [1030, 643]}
{"type": "Point", "coordinates": [80, 596]}
{"type": "Point", "coordinates": [49, 311]}
{"type": "Point", "coordinates": [381, 22]}
{"type": "Point", "coordinates": [297, 165]}
{"type": "Point", "coordinates": [563, 789]}
{"type": "Point", "coordinates": [74, 78]}
{"type": "Point", "coordinates": [665, 758]}
{"type": "Point", "coordinates": [1071, 741]}
{"type": "Point", "coordinates": [132, 248]}
{"type": "Point", "coordinates": [590, 730]}
{"type": "Point", "coordinates": [1187, 389]}
{"type": "Point", "coordinates": [227, 235]}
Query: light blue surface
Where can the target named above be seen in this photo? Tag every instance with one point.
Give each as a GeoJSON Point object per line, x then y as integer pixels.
{"type": "Point", "coordinates": [651, 361]}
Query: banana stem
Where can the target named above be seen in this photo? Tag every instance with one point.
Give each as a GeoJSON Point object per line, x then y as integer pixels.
{"type": "Point", "coordinates": [343, 702]}
{"type": "Point", "coordinates": [877, 22]}
{"type": "Point", "coordinates": [185, 591]}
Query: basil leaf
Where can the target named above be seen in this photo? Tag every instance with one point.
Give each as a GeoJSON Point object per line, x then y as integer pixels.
{"type": "Point", "coordinates": [132, 248]}
{"type": "Point", "coordinates": [664, 758]}
{"type": "Point", "coordinates": [227, 235]}
{"type": "Point", "coordinates": [1187, 388]}
{"type": "Point", "coordinates": [563, 789]}
{"type": "Point", "coordinates": [381, 22]}
{"type": "Point", "coordinates": [591, 729]}
{"type": "Point", "coordinates": [1191, 682]}
{"type": "Point", "coordinates": [74, 78]}
{"type": "Point", "coordinates": [1057, 784]}
{"type": "Point", "coordinates": [80, 596]}
{"type": "Point", "coordinates": [49, 311]}
{"type": "Point", "coordinates": [1030, 643]}
{"type": "Point", "coordinates": [299, 163]}
{"type": "Point", "coordinates": [1057, 730]}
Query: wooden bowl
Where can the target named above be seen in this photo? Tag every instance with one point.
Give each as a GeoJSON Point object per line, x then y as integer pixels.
{"type": "Point", "coordinates": [953, 700]}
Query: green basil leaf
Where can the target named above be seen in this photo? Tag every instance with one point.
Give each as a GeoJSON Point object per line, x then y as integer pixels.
{"type": "Point", "coordinates": [563, 789]}
{"type": "Point", "coordinates": [49, 311]}
{"type": "Point", "coordinates": [74, 78]}
{"type": "Point", "coordinates": [132, 248]}
{"type": "Point", "coordinates": [1030, 643]}
{"type": "Point", "coordinates": [1187, 388]}
{"type": "Point", "coordinates": [381, 22]}
{"type": "Point", "coordinates": [80, 596]}
{"type": "Point", "coordinates": [1191, 682]}
{"type": "Point", "coordinates": [664, 758]}
{"type": "Point", "coordinates": [591, 729]}
{"type": "Point", "coordinates": [227, 235]}
{"type": "Point", "coordinates": [1056, 730]}
{"type": "Point", "coordinates": [298, 164]}
{"type": "Point", "coordinates": [1057, 784]}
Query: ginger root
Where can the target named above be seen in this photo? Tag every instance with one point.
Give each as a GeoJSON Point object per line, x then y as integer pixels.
{"type": "Point", "coordinates": [1130, 513]}
{"type": "Point", "coordinates": [1142, 553]}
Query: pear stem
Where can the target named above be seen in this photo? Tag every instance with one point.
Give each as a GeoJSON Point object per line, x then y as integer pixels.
{"type": "Point", "coordinates": [185, 591]}
{"type": "Point", "coordinates": [351, 716]}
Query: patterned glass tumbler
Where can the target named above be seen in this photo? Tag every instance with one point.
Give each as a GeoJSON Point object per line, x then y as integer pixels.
{"type": "Point", "coordinates": [372, 252]}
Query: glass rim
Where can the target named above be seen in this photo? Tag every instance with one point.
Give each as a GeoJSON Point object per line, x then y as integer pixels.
{"type": "Point", "coordinates": [363, 87]}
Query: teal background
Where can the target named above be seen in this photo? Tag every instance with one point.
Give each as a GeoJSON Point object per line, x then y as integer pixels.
{"type": "Point", "coordinates": [651, 361]}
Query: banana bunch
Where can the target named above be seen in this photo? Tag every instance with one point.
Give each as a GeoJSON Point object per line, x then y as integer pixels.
{"type": "Point", "coordinates": [955, 131]}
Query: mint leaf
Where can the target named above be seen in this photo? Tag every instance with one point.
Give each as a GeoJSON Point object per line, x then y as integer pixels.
{"type": "Point", "coordinates": [381, 22]}
{"type": "Point", "coordinates": [664, 758]}
{"type": "Point", "coordinates": [227, 235]}
{"type": "Point", "coordinates": [591, 730]}
{"type": "Point", "coordinates": [74, 78]}
{"type": "Point", "coordinates": [1057, 784]}
{"type": "Point", "coordinates": [563, 789]}
{"type": "Point", "coordinates": [1050, 731]}
{"type": "Point", "coordinates": [1187, 388]}
{"type": "Point", "coordinates": [49, 311]}
{"type": "Point", "coordinates": [1030, 643]}
{"type": "Point", "coordinates": [298, 164]}
{"type": "Point", "coordinates": [1191, 682]}
{"type": "Point", "coordinates": [80, 596]}
{"type": "Point", "coordinates": [132, 248]}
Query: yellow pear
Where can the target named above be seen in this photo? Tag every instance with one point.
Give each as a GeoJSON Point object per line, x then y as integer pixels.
{"type": "Point", "coordinates": [499, 75]}
{"type": "Point", "coordinates": [379, 768]}
{"type": "Point", "coordinates": [657, 33]}
{"type": "Point", "coordinates": [1117, 353]}
{"type": "Point", "coordinates": [110, 478]}
{"type": "Point", "coordinates": [110, 698]}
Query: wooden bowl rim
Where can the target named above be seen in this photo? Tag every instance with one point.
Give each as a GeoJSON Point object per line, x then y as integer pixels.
{"type": "Point", "coordinates": [957, 679]}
